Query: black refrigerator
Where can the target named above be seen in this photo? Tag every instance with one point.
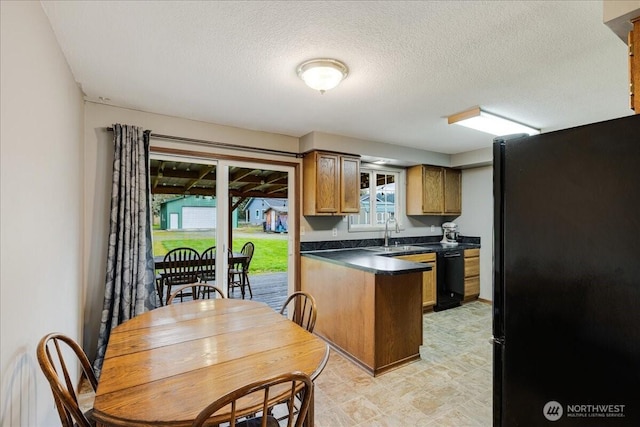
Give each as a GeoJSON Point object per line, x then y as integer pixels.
{"type": "Point", "coordinates": [566, 302]}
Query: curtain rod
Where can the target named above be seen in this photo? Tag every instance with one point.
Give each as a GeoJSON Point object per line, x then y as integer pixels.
{"type": "Point", "coordinates": [221, 144]}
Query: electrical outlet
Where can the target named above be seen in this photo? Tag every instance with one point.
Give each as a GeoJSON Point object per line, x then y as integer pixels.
{"type": "Point", "coordinates": [334, 232]}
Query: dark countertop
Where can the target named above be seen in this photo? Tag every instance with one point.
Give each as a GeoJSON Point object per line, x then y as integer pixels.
{"type": "Point", "coordinates": [379, 262]}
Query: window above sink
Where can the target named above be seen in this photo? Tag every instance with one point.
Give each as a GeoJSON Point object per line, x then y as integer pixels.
{"type": "Point", "coordinates": [379, 199]}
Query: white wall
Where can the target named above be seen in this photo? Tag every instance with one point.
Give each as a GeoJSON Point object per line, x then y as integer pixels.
{"type": "Point", "coordinates": [477, 220]}
{"type": "Point", "coordinates": [345, 144]}
{"type": "Point", "coordinates": [41, 208]}
{"type": "Point", "coordinates": [475, 158]}
{"type": "Point", "coordinates": [617, 15]}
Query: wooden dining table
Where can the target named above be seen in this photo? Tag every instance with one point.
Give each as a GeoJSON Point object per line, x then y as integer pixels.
{"type": "Point", "coordinates": [166, 365]}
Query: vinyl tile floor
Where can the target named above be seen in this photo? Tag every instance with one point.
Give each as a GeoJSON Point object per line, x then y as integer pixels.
{"type": "Point", "coordinates": [451, 384]}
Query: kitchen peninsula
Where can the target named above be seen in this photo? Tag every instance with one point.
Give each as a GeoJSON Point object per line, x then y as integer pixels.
{"type": "Point", "coordinates": [370, 297]}
{"type": "Point", "coordinates": [369, 305]}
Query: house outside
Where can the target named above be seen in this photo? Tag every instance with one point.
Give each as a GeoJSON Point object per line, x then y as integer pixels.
{"type": "Point", "coordinates": [383, 207]}
{"type": "Point", "coordinates": [190, 213]}
{"type": "Point", "coordinates": [272, 214]}
{"type": "Point", "coordinates": [276, 219]}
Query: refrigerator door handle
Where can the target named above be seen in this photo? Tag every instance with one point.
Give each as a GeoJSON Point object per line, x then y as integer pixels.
{"type": "Point", "coordinates": [494, 340]}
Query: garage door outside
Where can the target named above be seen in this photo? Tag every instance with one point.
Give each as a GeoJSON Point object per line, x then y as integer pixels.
{"type": "Point", "coordinates": [198, 217]}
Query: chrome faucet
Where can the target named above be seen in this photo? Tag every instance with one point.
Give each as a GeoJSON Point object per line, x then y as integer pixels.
{"type": "Point", "coordinates": [386, 229]}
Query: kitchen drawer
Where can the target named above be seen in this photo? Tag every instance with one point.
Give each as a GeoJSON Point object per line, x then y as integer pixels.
{"type": "Point", "coordinates": [471, 286]}
{"type": "Point", "coordinates": [471, 266]}
{"type": "Point", "coordinates": [429, 257]}
{"type": "Point", "coordinates": [468, 253]}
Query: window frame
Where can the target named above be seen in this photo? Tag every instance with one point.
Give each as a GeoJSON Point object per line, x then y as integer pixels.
{"type": "Point", "coordinates": [373, 224]}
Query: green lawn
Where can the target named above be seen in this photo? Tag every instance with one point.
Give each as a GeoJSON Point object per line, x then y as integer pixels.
{"type": "Point", "coordinates": [270, 254]}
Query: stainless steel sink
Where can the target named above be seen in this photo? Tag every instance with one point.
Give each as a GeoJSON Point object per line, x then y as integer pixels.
{"type": "Point", "coordinates": [394, 249]}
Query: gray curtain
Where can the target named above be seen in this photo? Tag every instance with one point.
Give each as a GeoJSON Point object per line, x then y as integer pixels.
{"type": "Point", "coordinates": [129, 286]}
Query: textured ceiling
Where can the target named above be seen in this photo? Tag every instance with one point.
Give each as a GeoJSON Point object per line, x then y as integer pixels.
{"type": "Point", "coordinates": [548, 64]}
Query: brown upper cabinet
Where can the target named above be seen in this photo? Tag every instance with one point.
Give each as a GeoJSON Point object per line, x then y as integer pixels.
{"type": "Point", "coordinates": [331, 183]}
{"type": "Point", "coordinates": [434, 190]}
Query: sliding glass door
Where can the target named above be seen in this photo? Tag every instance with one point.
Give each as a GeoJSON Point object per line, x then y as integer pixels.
{"type": "Point", "coordinates": [258, 198]}
{"type": "Point", "coordinates": [204, 202]}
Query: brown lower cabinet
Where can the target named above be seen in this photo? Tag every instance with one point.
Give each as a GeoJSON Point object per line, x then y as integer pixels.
{"type": "Point", "coordinates": [471, 274]}
{"type": "Point", "coordinates": [429, 278]}
{"type": "Point", "coordinates": [375, 320]}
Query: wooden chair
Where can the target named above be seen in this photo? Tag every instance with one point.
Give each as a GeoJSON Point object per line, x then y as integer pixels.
{"type": "Point", "coordinates": [304, 314]}
{"type": "Point", "coordinates": [239, 273]}
{"type": "Point", "coordinates": [259, 398]}
{"type": "Point", "coordinates": [304, 309]}
{"type": "Point", "coordinates": [181, 267]}
{"type": "Point", "coordinates": [198, 290]}
{"type": "Point", "coordinates": [208, 265]}
{"type": "Point", "coordinates": [50, 351]}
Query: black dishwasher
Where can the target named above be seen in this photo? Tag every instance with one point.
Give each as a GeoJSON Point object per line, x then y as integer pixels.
{"type": "Point", "coordinates": [450, 279]}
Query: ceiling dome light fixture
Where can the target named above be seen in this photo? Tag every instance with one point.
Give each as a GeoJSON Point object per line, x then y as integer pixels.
{"type": "Point", "coordinates": [322, 74]}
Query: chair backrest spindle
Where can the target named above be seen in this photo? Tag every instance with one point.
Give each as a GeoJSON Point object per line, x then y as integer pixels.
{"type": "Point", "coordinates": [208, 260]}
{"type": "Point", "coordinates": [181, 266]}
{"type": "Point", "coordinates": [300, 388]}
{"type": "Point", "coordinates": [304, 309]}
{"type": "Point", "coordinates": [199, 290]}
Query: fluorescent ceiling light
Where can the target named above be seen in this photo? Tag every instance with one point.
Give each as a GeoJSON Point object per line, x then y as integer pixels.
{"type": "Point", "coordinates": [322, 74]}
{"type": "Point", "coordinates": [490, 123]}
